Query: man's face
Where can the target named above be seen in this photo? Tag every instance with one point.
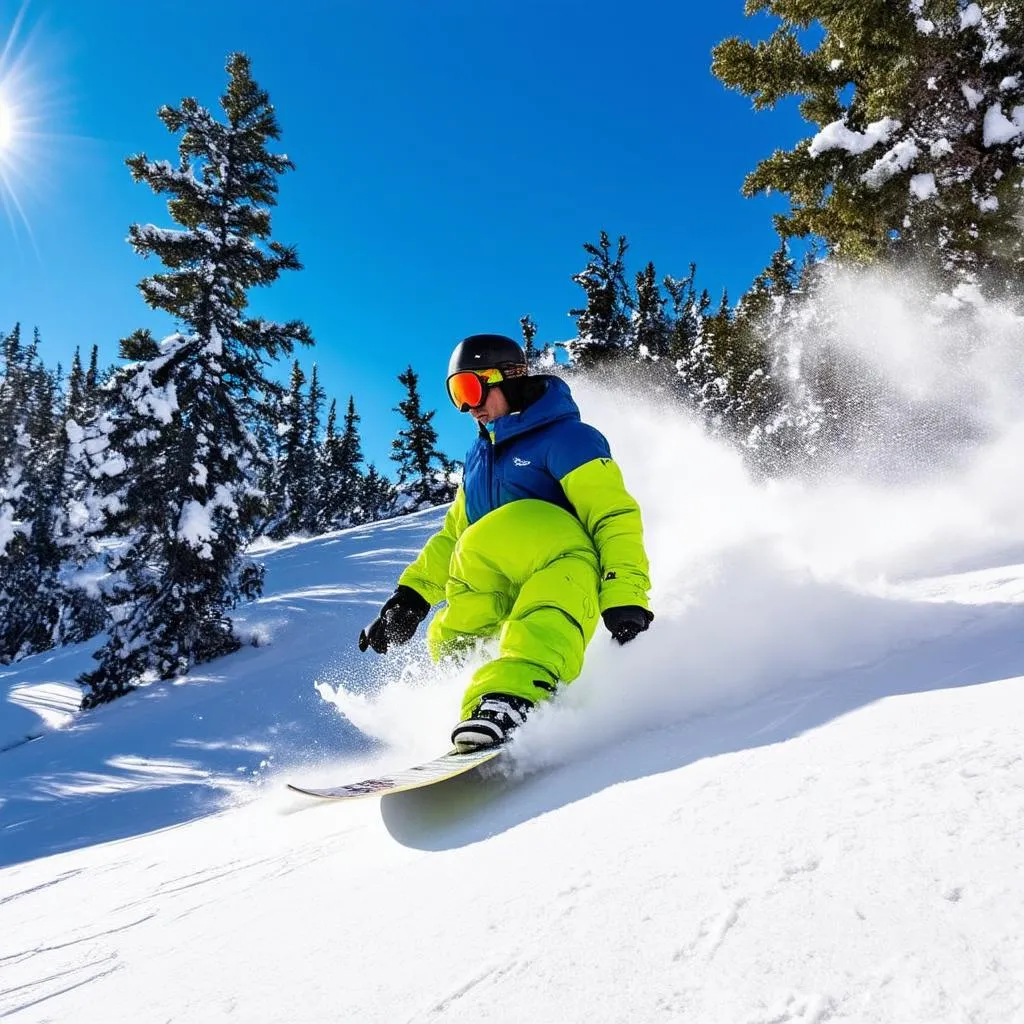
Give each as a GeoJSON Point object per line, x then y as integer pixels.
{"type": "Point", "coordinates": [493, 409]}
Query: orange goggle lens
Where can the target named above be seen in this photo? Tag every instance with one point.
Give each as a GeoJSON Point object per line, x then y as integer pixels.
{"type": "Point", "coordinates": [468, 388]}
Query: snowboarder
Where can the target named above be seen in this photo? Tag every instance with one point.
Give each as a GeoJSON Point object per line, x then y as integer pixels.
{"type": "Point", "coordinates": [541, 540]}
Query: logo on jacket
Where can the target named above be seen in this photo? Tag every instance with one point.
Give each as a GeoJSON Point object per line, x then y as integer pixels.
{"type": "Point", "coordinates": [520, 462]}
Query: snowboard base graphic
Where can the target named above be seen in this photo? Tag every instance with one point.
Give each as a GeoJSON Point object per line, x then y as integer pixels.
{"type": "Point", "coordinates": [447, 766]}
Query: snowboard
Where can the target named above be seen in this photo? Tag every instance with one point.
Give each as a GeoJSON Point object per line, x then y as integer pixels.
{"type": "Point", "coordinates": [447, 766]}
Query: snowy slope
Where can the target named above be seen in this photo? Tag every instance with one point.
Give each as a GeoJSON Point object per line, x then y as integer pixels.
{"type": "Point", "coordinates": [799, 797]}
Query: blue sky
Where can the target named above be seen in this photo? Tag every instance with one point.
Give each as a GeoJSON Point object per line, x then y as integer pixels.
{"type": "Point", "coordinates": [452, 158]}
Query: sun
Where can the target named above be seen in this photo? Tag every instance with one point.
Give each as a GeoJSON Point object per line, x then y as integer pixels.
{"type": "Point", "coordinates": [26, 110]}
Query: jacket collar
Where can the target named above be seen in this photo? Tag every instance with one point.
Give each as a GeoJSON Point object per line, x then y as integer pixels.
{"type": "Point", "coordinates": [555, 404]}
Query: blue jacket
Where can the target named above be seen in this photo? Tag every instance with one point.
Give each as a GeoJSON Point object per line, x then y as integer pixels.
{"type": "Point", "coordinates": [531, 452]}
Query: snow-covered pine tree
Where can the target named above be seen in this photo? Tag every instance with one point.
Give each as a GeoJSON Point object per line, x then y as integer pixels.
{"type": "Point", "coordinates": [269, 427]}
{"type": "Point", "coordinates": [340, 480]}
{"type": "Point", "coordinates": [83, 388]}
{"type": "Point", "coordinates": [292, 473]}
{"type": "Point", "coordinates": [35, 610]}
{"type": "Point", "coordinates": [76, 389]}
{"type": "Point", "coordinates": [603, 326]}
{"type": "Point", "coordinates": [709, 378]}
{"type": "Point", "coordinates": [173, 460]}
{"type": "Point", "coordinates": [920, 109]}
{"type": "Point", "coordinates": [771, 291]}
{"type": "Point", "coordinates": [416, 452]}
{"type": "Point", "coordinates": [699, 344]}
{"type": "Point", "coordinates": [377, 497]}
{"type": "Point", "coordinates": [757, 373]}
{"type": "Point", "coordinates": [11, 446]}
{"type": "Point", "coordinates": [686, 319]}
{"type": "Point", "coordinates": [328, 496]}
{"type": "Point", "coordinates": [724, 373]}
{"type": "Point", "coordinates": [81, 612]}
{"type": "Point", "coordinates": [651, 330]}
{"type": "Point", "coordinates": [349, 462]}
{"type": "Point", "coordinates": [529, 329]}
{"type": "Point", "coordinates": [308, 499]}
{"type": "Point", "coordinates": [92, 377]}
{"type": "Point", "coordinates": [15, 518]}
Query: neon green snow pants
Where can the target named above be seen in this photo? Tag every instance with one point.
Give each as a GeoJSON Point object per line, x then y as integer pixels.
{"type": "Point", "coordinates": [527, 573]}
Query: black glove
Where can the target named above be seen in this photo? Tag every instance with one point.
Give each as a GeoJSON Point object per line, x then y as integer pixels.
{"type": "Point", "coordinates": [624, 623]}
{"type": "Point", "coordinates": [402, 612]}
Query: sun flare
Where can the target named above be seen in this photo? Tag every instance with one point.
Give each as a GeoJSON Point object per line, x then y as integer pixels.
{"type": "Point", "coordinates": [6, 124]}
{"type": "Point", "coordinates": [27, 108]}
{"type": "Point", "coordinates": [36, 103]}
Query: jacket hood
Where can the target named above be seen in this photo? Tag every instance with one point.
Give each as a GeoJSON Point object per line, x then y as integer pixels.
{"type": "Point", "coordinates": [555, 404]}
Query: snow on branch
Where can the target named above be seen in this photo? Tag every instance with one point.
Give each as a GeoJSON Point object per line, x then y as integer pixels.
{"type": "Point", "coordinates": [897, 159]}
{"type": "Point", "coordinates": [1000, 129]}
{"type": "Point", "coordinates": [838, 136]}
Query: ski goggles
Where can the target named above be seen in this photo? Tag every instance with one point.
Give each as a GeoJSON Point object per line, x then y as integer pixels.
{"type": "Point", "coordinates": [468, 388]}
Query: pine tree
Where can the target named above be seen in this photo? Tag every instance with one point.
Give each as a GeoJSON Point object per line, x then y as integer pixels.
{"type": "Point", "coordinates": [292, 477]}
{"type": "Point", "coordinates": [140, 346]}
{"type": "Point", "coordinates": [268, 423]}
{"type": "Point", "coordinates": [330, 502]}
{"type": "Point", "coordinates": [756, 385]}
{"type": "Point", "coordinates": [529, 329]}
{"type": "Point", "coordinates": [36, 610]}
{"type": "Point", "coordinates": [706, 373]}
{"type": "Point", "coordinates": [416, 452]}
{"type": "Point", "coordinates": [15, 500]}
{"type": "Point", "coordinates": [772, 289]}
{"type": "Point", "coordinates": [376, 496]}
{"type": "Point", "coordinates": [81, 612]}
{"type": "Point", "coordinates": [341, 494]}
{"type": "Point", "coordinates": [309, 498]}
{"type": "Point", "coordinates": [766, 335]}
{"type": "Point", "coordinates": [920, 110]}
{"type": "Point", "coordinates": [93, 382]}
{"type": "Point", "coordinates": [603, 326]}
{"type": "Point", "coordinates": [650, 325]}
{"type": "Point", "coordinates": [351, 458]}
{"type": "Point", "coordinates": [172, 456]}
{"type": "Point", "coordinates": [295, 498]}
{"type": "Point", "coordinates": [686, 320]}
{"type": "Point", "coordinates": [721, 362]}
{"type": "Point", "coordinates": [76, 389]}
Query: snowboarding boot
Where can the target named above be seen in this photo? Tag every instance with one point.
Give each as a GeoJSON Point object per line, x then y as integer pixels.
{"type": "Point", "coordinates": [494, 717]}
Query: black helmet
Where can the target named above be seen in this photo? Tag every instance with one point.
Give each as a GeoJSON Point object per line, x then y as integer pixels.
{"type": "Point", "coordinates": [486, 352]}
